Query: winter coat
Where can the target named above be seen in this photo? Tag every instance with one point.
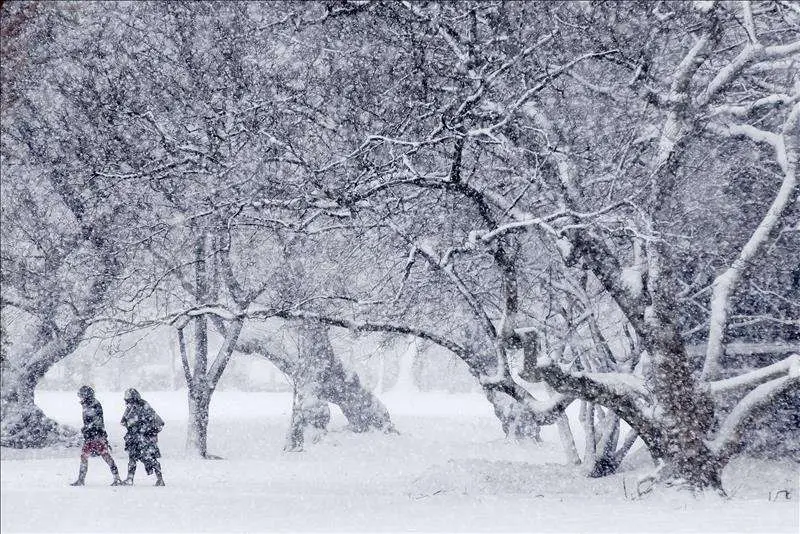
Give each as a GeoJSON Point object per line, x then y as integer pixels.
{"type": "Point", "coordinates": [93, 426]}
{"type": "Point", "coordinates": [143, 425]}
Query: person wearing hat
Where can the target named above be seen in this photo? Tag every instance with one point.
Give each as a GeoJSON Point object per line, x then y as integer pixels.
{"type": "Point", "coordinates": [95, 439]}
{"type": "Point", "coordinates": [141, 439]}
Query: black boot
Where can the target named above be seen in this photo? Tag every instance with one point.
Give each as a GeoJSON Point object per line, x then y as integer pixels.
{"type": "Point", "coordinates": [81, 474]}
{"type": "Point", "coordinates": [159, 479]}
{"type": "Point", "coordinates": [131, 472]}
{"type": "Point", "coordinates": [115, 472]}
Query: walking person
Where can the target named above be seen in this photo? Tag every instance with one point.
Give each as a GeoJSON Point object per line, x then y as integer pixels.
{"type": "Point", "coordinates": [141, 439]}
{"type": "Point", "coordinates": [94, 435]}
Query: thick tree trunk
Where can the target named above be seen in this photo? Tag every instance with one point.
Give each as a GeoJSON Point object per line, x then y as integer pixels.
{"type": "Point", "coordinates": [507, 397]}
{"type": "Point", "coordinates": [310, 417]}
{"type": "Point", "coordinates": [363, 410]}
{"type": "Point", "coordinates": [517, 420]}
{"type": "Point", "coordinates": [310, 412]}
{"type": "Point", "coordinates": [197, 432]}
{"type": "Point", "coordinates": [320, 377]}
{"type": "Point", "coordinates": [688, 411]}
{"type": "Point", "coordinates": [319, 364]}
{"type": "Point", "coordinates": [675, 437]}
{"type": "Point", "coordinates": [696, 469]}
{"type": "Point", "coordinates": [23, 424]}
{"type": "Point", "coordinates": [685, 412]}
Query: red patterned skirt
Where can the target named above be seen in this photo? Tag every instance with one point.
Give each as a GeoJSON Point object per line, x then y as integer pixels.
{"type": "Point", "coordinates": [95, 447]}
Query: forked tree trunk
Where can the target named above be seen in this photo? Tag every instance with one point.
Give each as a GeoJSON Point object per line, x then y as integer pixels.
{"type": "Point", "coordinates": [198, 389]}
{"type": "Point", "coordinates": [203, 381]}
{"type": "Point", "coordinates": [362, 409]}
{"type": "Point", "coordinates": [602, 457]}
{"type": "Point", "coordinates": [516, 420]}
{"type": "Point", "coordinates": [318, 377]}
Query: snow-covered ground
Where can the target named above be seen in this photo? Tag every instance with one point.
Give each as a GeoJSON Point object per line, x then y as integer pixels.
{"type": "Point", "coordinates": [450, 469]}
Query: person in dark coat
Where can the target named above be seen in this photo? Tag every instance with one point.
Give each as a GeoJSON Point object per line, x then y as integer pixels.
{"type": "Point", "coordinates": [95, 439]}
{"type": "Point", "coordinates": [141, 439]}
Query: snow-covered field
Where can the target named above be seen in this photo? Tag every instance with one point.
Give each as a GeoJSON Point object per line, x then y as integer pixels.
{"type": "Point", "coordinates": [450, 469]}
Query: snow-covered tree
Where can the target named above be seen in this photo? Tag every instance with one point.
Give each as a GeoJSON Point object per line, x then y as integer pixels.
{"type": "Point", "coordinates": [615, 139]}
{"type": "Point", "coordinates": [66, 239]}
{"type": "Point", "coordinates": [599, 185]}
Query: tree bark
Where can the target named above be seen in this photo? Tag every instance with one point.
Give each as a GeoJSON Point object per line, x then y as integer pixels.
{"type": "Point", "coordinates": [24, 425]}
{"type": "Point", "coordinates": [203, 381]}
{"type": "Point", "coordinates": [688, 411]}
{"type": "Point", "coordinates": [567, 440]}
{"type": "Point", "coordinates": [606, 458]}
{"type": "Point", "coordinates": [517, 420]}
{"type": "Point", "coordinates": [310, 412]}
{"type": "Point", "coordinates": [197, 434]}
{"type": "Point", "coordinates": [199, 393]}
{"type": "Point", "coordinates": [676, 437]}
{"type": "Point", "coordinates": [363, 410]}
{"type": "Point", "coordinates": [319, 377]}
{"type": "Point", "coordinates": [310, 417]}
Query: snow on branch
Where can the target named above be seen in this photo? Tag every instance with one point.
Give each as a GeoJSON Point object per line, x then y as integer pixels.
{"type": "Point", "coordinates": [750, 407]}
{"type": "Point", "coordinates": [746, 130]}
{"type": "Point", "coordinates": [448, 34]}
{"type": "Point", "coordinates": [528, 94]}
{"type": "Point", "coordinates": [725, 283]}
{"type": "Point", "coordinates": [781, 51]}
{"type": "Point", "coordinates": [361, 326]}
{"type": "Point", "coordinates": [250, 345]}
{"type": "Point", "coordinates": [546, 411]}
{"type": "Point", "coordinates": [143, 173]}
{"type": "Point", "coordinates": [412, 254]}
{"type": "Point", "coordinates": [487, 82]}
{"type": "Point", "coordinates": [613, 392]}
{"type": "Point", "coordinates": [704, 6]}
{"type": "Point", "coordinates": [225, 351]}
{"type": "Point", "coordinates": [675, 123]}
{"type": "Point", "coordinates": [741, 110]}
{"type": "Point", "coordinates": [180, 319]}
{"type": "Point", "coordinates": [624, 384]}
{"type": "Point", "coordinates": [433, 260]}
{"type": "Point", "coordinates": [544, 221]}
{"type": "Point", "coordinates": [752, 52]}
{"type": "Point", "coordinates": [755, 377]}
{"type": "Point", "coordinates": [729, 72]}
{"type": "Point", "coordinates": [488, 237]}
{"type": "Point", "coordinates": [749, 24]}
